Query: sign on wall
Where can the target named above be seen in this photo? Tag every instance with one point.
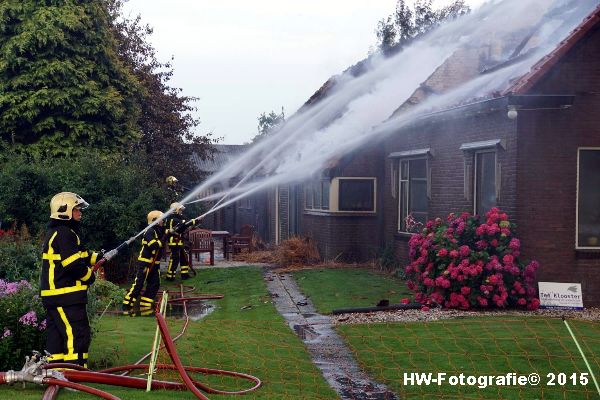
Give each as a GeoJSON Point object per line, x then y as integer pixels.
{"type": "Point", "coordinates": [559, 295]}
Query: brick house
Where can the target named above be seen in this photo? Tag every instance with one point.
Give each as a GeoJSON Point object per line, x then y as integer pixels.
{"type": "Point", "coordinates": [250, 210]}
{"type": "Point", "coordinates": [531, 148]}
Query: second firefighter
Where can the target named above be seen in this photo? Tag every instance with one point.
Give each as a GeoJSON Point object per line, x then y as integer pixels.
{"type": "Point", "coordinates": [148, 269]}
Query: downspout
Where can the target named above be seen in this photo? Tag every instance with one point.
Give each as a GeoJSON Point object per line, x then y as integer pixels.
{"type": "Point", "coordinates": [277, 215]}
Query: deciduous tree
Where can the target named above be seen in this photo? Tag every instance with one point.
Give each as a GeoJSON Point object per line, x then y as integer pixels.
{"type": "Point", "coordinates": [406, 23]}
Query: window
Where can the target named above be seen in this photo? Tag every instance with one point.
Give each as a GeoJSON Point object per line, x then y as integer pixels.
{"type": "Point", "coordinates": [316, 195]}
{"type": "Point", "coordinates": [482, 173]}
{"type": "Point", "coordinates": [356, 194]}
{"type": "Point", "coordinates": [485, 181]}
{"type": "Point", "coordinates": [413, 193]}
{"type": "Point", "coordinates": [588, 199]}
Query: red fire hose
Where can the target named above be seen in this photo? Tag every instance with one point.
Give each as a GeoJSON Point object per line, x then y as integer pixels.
{"type": "Point", "coordinates": [73, 375]}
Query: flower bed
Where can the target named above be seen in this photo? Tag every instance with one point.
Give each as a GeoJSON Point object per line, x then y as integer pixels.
{"type": "Point", "coordinates": [465, 263]}
{"type": "Point", "coordinates": [22, 323]}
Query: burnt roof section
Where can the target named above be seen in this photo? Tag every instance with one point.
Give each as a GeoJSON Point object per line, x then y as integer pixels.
{"type": "Point", "coordinates": [222, 155]}
{"type": "Point", "coordinates": [469, 62]}
{"type": "Point", "coordinates": [543, 66]}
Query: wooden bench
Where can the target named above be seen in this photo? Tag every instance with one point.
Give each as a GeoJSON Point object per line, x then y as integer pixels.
{"type": "Point", "coordinates": [201, 242]}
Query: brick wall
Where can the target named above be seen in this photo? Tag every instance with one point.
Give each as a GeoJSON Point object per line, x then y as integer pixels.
{"type": "Point", "coordinates": [343, 236]}
{"type": "Point", "coordinates": [444, 135]}
{"type": "Point", "coordinates": [547, 170]}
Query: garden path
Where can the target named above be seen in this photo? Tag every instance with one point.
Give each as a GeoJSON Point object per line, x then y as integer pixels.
{"type": "Point", "coordinates": [326, 347]}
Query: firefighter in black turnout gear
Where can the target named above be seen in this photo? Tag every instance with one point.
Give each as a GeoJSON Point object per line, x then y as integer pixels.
{"type": "Point", "coordinates": [148, 271]}
{"type": "Point", "coordinates": [175, 226]}
{"type": "Point", "coordinates": [64, 282]}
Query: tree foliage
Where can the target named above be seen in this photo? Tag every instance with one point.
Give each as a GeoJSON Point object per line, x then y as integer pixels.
{"type": "Point", "coordinates": [406, 23]}
{"type": "Point", "coordinates": [166, 123]}
{"type": "Point", "coordinates": [118, 202]}
{"type": "Point", "coordinates": [62, 85]}
{"type": "Point", "coordinates": [268, 123]}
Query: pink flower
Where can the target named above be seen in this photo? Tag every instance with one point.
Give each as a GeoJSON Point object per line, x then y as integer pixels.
{"type": "Point", "coordinates": [411, 285]}
{"type": "Point", "coordinates": [424, 308]}
{"type": "Point", "coordinates": [465, 251]}
{"type": "Point", "coordinates": [465, 290]}
{"type": "Point", "coordinates": [29, 319]}
{"type": "Point", "coordinates": [442, 253]}
{"type": "Point", "coordinates": [521, 301]}
{"type": "Point", "coordinates": [534, 304]}
{"type": "Point", "coordinates": [7, 333]}
{"type": "Point", "coordinates": [405, 300]}
{"type": "Point", "coordinates": [454, 253]}
{"type": "Point", "coordinates": [42, 325]}
{"type": "Point", "coordinates": [515, 244]}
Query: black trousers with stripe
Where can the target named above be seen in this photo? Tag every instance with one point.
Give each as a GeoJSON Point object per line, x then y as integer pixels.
{"type": "Point", "coordinates": [150, 276]}
{"type": "Point", "coordinates": [68, 334]}
{"type": "Point", "coordinates": [178, 256]}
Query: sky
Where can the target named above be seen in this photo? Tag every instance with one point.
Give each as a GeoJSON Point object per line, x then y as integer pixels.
{"type": "Point", "coordinates": [241, 58]}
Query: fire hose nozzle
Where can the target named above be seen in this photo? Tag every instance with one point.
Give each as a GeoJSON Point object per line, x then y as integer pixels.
{"type": "Point", "coordinates": [111, 254]}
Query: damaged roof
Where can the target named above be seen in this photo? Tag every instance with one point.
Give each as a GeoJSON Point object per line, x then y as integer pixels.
{"type": "Point", "coordinates": [222, 155]}
{"type": "Point", "coordinates": [498, 53]}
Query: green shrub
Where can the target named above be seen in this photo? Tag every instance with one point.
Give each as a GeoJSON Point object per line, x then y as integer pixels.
{"type": "Point", "coordinates": [20, 258]}
{"type": "Point", "coordinates": [22, 323]}
{"type": "Point", "coordinates": [103, 294]}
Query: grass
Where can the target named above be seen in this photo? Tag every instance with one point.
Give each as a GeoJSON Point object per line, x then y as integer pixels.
{"type": "Point", "coordinates": [478, 346]}
{"type": "Point", "coordinates": [331, 289]}
{"type": "Point", "coordinates": [246, 334]}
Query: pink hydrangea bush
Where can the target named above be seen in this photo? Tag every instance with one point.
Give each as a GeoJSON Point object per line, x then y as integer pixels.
{"type": "Point", "coordinates": [465, 263]}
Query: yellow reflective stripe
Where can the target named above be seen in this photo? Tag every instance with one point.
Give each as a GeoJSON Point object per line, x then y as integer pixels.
{"type": "Point", "coordinates": [93, 258]}
{"type": "Point", "coordinates": [88, 275]}
{"type": "Point", "coordinates": [53, 257]}
{"type": "Point", "coordinates": [149, 261]}
{"type": "Point", "coordinates": [65, 290]}
{"type": "Point", "coordinates": [146, 299]}
{"type": "Point", "coordinates": [70, 259]}
{"type": "Point", "coordinates": [69, 331]}
{"type": "Point", "coordinates": [152, 241]}
{"type": "Point", "coordinates": [51, 262]}
{"type": "Point", "coordinates": [54, 357]}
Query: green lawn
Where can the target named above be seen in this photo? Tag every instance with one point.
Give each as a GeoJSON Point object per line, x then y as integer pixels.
{"type": "Point", "coordinates": [246, 334]}
{"type": "Point", "coordinates": [331, 289]}
{"type": "Point", "coordinates": [478, 346]}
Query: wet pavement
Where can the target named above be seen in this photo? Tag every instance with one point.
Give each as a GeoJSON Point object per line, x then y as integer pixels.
{"type": "Point", "coordinates": [327, 349]}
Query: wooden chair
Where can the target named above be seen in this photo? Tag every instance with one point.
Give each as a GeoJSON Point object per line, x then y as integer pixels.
{"type": "Point", "coordinates": [201, 242]}
{"type": "Point", "coordinates": [241, 241]}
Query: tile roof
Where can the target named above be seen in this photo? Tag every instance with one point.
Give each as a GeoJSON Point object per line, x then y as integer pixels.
{"type": "Point", "coordinates": [222, 155]}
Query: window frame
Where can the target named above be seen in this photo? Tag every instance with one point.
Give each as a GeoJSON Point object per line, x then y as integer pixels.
{"type": "Point", "coordinates": [314, 189]}
{"type": "Point", "coordinates": [406, 200]}
{"type": "Point", "coordinates": [577, 246]}
{"type": "Point", "coordinates": [339, 180]}
{"type": "Point", "coordinates": [475, 176]}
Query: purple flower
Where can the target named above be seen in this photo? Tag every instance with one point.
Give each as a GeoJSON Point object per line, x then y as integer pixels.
{"type": "Point", "coordinates": [7, 333]}
{"type": "Point", "coordinates": [29, 319]}
{"type": "Point", "coordinates": [42, 325]}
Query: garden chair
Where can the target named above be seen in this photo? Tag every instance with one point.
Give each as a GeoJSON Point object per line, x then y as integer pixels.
{"type": "Point", "coordinates": [241, 241]}
{"type": "Point", "coordinates": [201, 242]}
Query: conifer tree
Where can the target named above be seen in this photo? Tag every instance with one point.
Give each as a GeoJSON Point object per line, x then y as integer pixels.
{"type": "Point", "coordinates": [63, 88]}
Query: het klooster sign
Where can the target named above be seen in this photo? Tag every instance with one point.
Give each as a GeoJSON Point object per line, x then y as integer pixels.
{"type": "Point", "coordinates": [557, 295]}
